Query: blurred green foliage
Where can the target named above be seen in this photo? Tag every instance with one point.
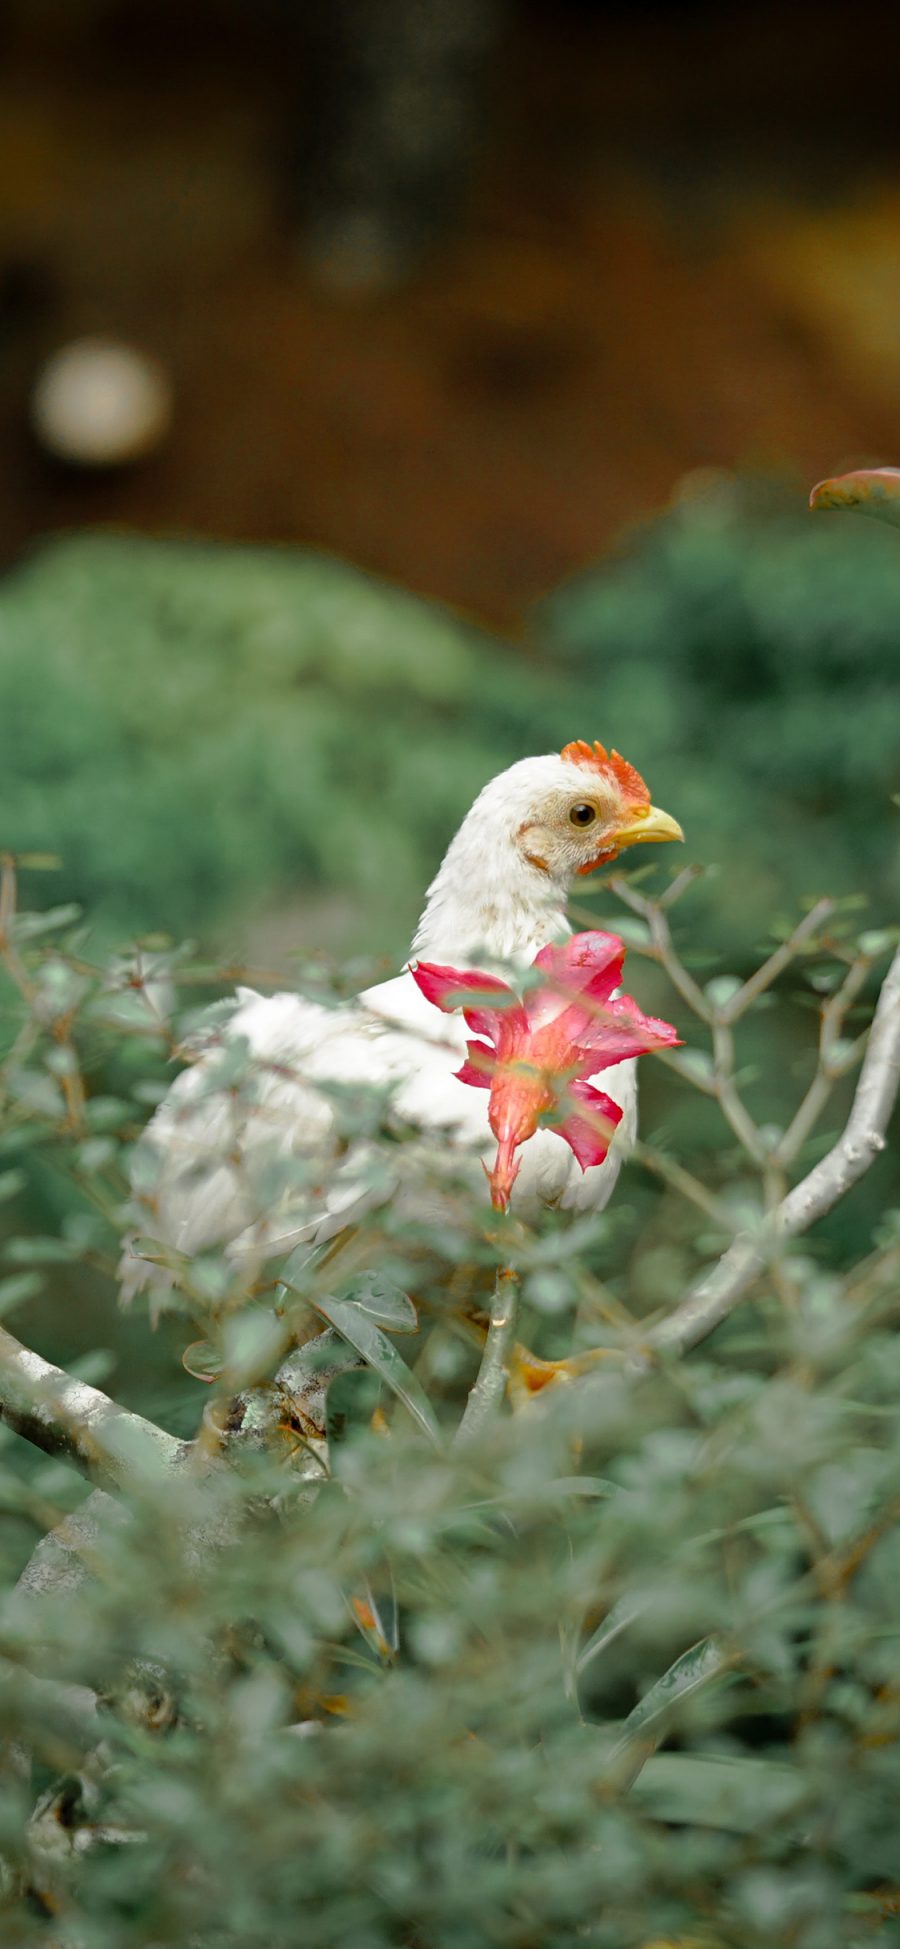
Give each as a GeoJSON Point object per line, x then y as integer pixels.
{"type": "Point", "coordinates": [748, 659]}
{"type": "Point", "coordinates": [204, 733]}
{"type": "Point", "coordinates": [619, 1670]}
{"type": "Point", "coordinates": [199, 731]}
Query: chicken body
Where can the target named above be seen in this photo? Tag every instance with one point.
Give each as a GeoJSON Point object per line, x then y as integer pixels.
{"type": "Point", "coordinates": [245, 1152]}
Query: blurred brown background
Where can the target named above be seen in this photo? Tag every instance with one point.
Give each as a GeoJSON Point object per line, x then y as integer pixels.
{"type": "Point", "coordinates": [656, 241]}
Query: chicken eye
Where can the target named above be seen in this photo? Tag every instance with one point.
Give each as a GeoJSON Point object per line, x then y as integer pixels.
{"type": "Point", "coordinates": [582, 815]}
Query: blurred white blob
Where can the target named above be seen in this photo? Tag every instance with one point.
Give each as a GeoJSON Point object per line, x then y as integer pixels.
{"type": "Point", "coordinates": [97, 403]}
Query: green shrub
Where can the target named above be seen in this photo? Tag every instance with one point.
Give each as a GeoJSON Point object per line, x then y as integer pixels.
{"type": "Point", "coordinates": [618, 1669]}
{"type": "Point", "coordinates": [751, 659]}
{"type": "Point", "coordinates": [199, 730]}
{"type": "Point", "coordinates": [202, 732]}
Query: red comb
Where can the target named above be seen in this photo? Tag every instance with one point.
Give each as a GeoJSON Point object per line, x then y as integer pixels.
{"type": "Point", "coordinates": [611, 766]}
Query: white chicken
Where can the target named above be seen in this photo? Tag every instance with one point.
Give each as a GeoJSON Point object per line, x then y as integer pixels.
{"type": "Point", "coordinates": [245, 1153]}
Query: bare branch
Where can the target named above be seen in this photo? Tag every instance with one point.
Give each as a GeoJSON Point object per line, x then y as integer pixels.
{"type": "Point", "coordinates": [730, 1101]}
{"type": "Point", "coordinates": [829, 1069]}
{"type": "Point", "coordinates": [873, 1103]}
{"type": "Point", "coordinates": [62, 1562]}
{"type": "Point", "coordinates": [680, 884]}
{"type": "Point", "coordinates": [490, 1385]}
{"type": "Point", "coordinates": [9, 954]}
{"type": "Point", "coordinates": [111, 1446]}
{"type": "Point", "coordinates": [663, 947]}
{"type": "Point", "coordinates": [783, 956]}
{"type": "Point", "coordinates": [719, 1291]}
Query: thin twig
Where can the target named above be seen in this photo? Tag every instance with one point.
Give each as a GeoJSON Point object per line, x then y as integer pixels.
{"type": "Point", "coordinates": [680, 884]}
{"type": "Point", "coordinates": [730, 1101]}
{"type": "Point", "coordinates": [804, 1119]}
{"type": "Point", "coordinates": [9, 953]}
{"type": "Point", "coordinates": [757, 983]}
{"type": "Point", "coordinates": [663, 947]}
{"type": "Point", "coordinates": [828, 1071]}
{"type": "Point", "coordinates": [490, 1386]}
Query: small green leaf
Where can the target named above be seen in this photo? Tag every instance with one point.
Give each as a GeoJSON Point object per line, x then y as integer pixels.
{"type": "Point", "coordinates": [356, 1327]}
{"type": "Point", "coordinates": [210, 1277]}
{"type": "Point", "coordinates": [15, 1290]}
{"type": "Point", "coordinates": [384, 1303]}
{"type": "Point", "coordinates": [203, 1361]}
{"type": "Point", "coordinates": [695, 1064]}
{"type": "Point", "coordinates": [634, 932]}
{"type": "Point", "coordinates": [736, 1793]}
{"type": "Point", "coordinates": [877, 940]}
{"type": "Point", "coordinates": [151, 1092]}
{"type": "Point", "coordinates": [596, 1487]}
{"type": "Point", "coordinates": [549, 1290]}
{"type": "Point", "coordinates": [35, 1092]}
{"type": "Point", "coordinates": [40, 1251]}
{"type": "Point", "coordinates": [107, 1112]}
{"type": "Point", "coordinates": [27, 927]}
{"type": "Point", "coordinates": [253, 1342]}
{"type": "Point", "coordinates": [95, 1366]}
{"type": "Point", "coordinates": [616, 1620]}
{"type": "Point", "coordinates": [722, 989]}
{"type": "Point", "coordinates": [95, 1153]}
{"type": "Point", "coordinates": [826, 980]}
{"type": "Point", "coordinates": [61, 1060]}
{"type": "Point", "coordinates": [695, 1668]}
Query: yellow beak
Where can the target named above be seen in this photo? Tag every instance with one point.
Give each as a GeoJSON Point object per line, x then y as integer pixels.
{"type": "Point", "coordinates": [645, 823]}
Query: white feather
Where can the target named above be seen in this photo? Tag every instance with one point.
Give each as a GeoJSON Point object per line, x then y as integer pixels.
{"type": "Point", "coordinates": [246, 1152]}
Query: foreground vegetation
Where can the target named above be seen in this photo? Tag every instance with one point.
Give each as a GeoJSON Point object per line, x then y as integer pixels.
{"type": "Point", "coordinates": [342, 1617]}
{"type": "Point", "coordinates": [379, 1657]}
